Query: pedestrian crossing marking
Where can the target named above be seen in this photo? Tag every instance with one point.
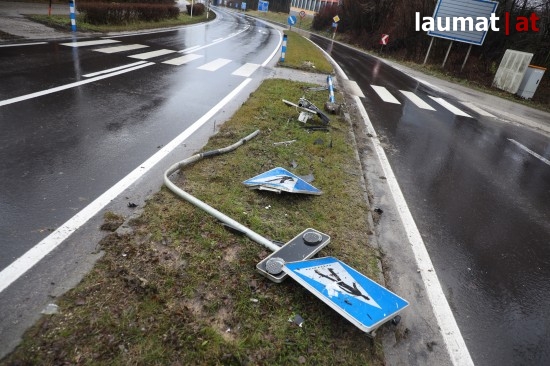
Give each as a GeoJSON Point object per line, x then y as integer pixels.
{"type": "Point", "coordinates": [113, 69]}
{"type": "Point", "coordinates": [89, 43]}
{"type": "Point", "coordinates": [152, 54]}
{"type": "Point", "coordinates": [384, 94]}
{"type": "Point", "coordinates": [478, 110]}
{"type": "Point", "coordinates": [215, 65]}
{"type": "Point", "coordinates": [417, 101]}
{"type": "Point", "coordinates": [182, 60]}
{"type": "Point", "coordinates": [115, 49]}
{"type": "Point", "coordinates": [246, 70]}
{"type": "Point", "coordinates": [450, 107]}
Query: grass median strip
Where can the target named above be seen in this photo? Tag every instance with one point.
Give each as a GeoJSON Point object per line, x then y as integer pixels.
{"type": "Point", "coordinates": [180, 288]}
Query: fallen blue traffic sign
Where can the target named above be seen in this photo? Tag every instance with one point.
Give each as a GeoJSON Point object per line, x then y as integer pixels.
{"type": "Point", "coordinates": [279, 179]}
{"type": "Point", "coordinates": [356, 297]}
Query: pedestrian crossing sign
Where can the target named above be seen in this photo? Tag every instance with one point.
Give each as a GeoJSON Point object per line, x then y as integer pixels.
{"type": "Point", "coordinates": [280, 179]}
{"type": "Point", "coordinates": [362, 301]}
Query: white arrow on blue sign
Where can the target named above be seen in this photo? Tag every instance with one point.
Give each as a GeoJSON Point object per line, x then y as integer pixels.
{"type": "Point", "coordinates": [280, 179]}
{"type": "Point", "coordinates": [291, 20]}
{"type": "Point", "coordinates": [356, 297]}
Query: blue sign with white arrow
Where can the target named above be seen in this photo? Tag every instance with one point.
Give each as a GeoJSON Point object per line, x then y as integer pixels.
{"type": "Point", "coordinates": [356, 297]}
{"type": "Point", "coordinates": [291, 20]}
{"type": "Point", "coordinates": [279, 179]}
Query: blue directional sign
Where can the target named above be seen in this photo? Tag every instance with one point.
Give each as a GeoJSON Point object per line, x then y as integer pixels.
{"type": "Point", "coordinates": [448, 9]}
{"type": "Point", "coordinates": [291, 20]}
{"type": "Point", "coordinates": [356, 297]}
{"type": "Point", "coordinates": [263, 5]}
{"type": "Point", "coordinates": [279, 179]}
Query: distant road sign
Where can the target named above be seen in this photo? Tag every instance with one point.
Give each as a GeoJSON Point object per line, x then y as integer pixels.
{"type": "Point", "coordinates": [291, 20]}
{"type": "Point", "coordinates": [463, 8]}
{"type": "Point", "coordinates": [302, 14]}
{"type": "Point", "coordinates": [356, 297]}
{"type": "Point", "coordinates": [385, 38]}
{"type": "Point", "coordinates": [263, 5]}
{"type": "Point", "coordinates": [336, 18]}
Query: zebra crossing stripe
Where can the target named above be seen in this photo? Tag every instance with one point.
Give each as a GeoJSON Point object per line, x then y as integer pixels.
{"type": "Point", "coordinates": [182, 60]}
{"type": "Point", "coordinates": [478, 110]}
{"type": "Point", "coordinates": [450, 107]}
{"type": "Point", "coordinates": [115, 49]}
{"type": "Point", "coordinates": [89, 43]}
{"type": "Point", "coordinates": [246, 70]}
{"type": "Point", "coordinates": [417, 101]}
{"type": "Point", "coordinates": [215, 65]}
{"type": "Point", "coordinates": [384, 94]}
{"type": "Point", "coordinates": [148, 55]}
{"type": "Point", "coordinates": [91, 75]}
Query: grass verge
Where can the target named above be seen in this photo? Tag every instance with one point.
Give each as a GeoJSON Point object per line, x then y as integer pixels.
{"type": "Point", "coordinates": [180, 288]}
{"type": "Point", "coordinates": [304, 55]}
{"type": "Point", "coordinates": [63, 22]}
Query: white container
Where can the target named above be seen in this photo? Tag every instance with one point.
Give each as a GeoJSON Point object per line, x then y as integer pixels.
{"type": "Point", "coordinates": [531, 80]}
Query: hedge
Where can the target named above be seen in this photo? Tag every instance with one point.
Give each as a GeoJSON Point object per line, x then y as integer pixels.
{"type": "Point", "coordinates": [124, 13]}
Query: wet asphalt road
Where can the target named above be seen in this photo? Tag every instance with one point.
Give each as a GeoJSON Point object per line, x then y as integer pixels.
{"type": "Point", "coordinates": [481, 203]}
{"type": "Point", "coordinates": [61, 150]}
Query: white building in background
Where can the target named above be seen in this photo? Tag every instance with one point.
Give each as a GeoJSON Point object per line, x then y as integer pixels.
{"type": "Point", "coordinates": [312, 5]}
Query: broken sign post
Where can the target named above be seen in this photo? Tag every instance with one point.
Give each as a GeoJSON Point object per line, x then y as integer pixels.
{"type": "Point", "coordinates": [280, 179]}
{"type": "Point", "coordinates": [356, 297]}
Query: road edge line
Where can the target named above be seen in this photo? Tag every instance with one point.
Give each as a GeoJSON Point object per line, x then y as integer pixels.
{"type": "Point", "coordinates": [454, 342]}
{"type": "Point", "coordinates": [34, 255]}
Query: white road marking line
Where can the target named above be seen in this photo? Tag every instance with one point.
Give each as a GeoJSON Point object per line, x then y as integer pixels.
{"type": "Point", "coordinates": [190, 49]}
{"type": "Point", "coordinates": [89, 43]}
{"type": "Point", "coordinates": [246, 70]}
{"type": "Point", "coordinates": [450, 107]}
{"type": "Point", "coordinates": [454, 342]}
{"type": "Point", "coordinates": [148, 55]}
{"type": "Point", "coordinates": [478, 110]}
{"type": "Point", "coordinates": [22, 44]}
{"type": "Point", "coordinates": [71, 85]}
{"type": "Point", "coordinates": [116, 49]}
{"type": "Point", "coordinates": [275, 51]}
{"type": "Point", "coordinates": [384, 94]}
{"type": "Point", "coordinates": [351, 87]}
{"type": "Point", "coordinates": [196, 48]}
{"type": "Point", "coordinates": [183, 59]}
{"type": "Point", "coordinates": [460, 356]}
{"type": "Point", "coordinates": [217, 40]}
{"type": "Point", "coordinates": [215, 65]}
{"type": "Point", "coordinates": [417, 101]}
{"type": "Point", "coordinates": [113, 69]}
{"type": "Point", "coordinates": [22, 264]}
{"type": "Point", "coordinates": [524, 148]}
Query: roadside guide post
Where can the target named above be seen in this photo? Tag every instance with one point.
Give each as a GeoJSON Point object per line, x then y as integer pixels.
{"type": "Point", "coordinates": [283, 50]}
{"type": "Point", "coordinates": [335, 25]}
{"type": "Point", "coordinates": [72, 15]}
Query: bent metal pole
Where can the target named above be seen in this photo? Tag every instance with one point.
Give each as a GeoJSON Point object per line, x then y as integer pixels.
{"type": "Point", "coordinates": [212, 211]}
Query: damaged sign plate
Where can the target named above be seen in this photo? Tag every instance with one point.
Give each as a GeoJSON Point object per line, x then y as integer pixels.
{"type": "Point", "coordinates": [356, 297]}
{"type": "Point", "coordinates": [279, 180]}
